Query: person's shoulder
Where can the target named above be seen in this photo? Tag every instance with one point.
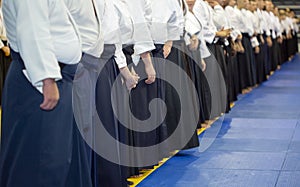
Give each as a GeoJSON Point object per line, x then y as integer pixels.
{"type": "Point", "coordinates": [229, 8]}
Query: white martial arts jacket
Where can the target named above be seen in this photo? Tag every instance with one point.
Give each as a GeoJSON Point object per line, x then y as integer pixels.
{"type": "Point", "coordinates": [43, 33]}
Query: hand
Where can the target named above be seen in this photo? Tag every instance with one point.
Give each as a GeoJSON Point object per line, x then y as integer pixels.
{"type": "Point", "coordinates": [240, 37]}
{"type": "Point", "coordinates": [167, 48]}
{"type": "Point", "coordinates": [51, 94]}
{"type": "Point", "coordinates": [131, 78]}
{"type": "Point", "coordinates": [223, 33]}
{"type": "Point", "coordinates": [6, 50]}
{"type": "Point", "coordinates": [234, 48]}
{"type": "Point", "coordinates": [280, 40]}
{"type": "Point", "coordinates": [203, 65]}
{"type": "Point", "coordinates": [149, 69]}
{"type": "Point", "coordinates": [269, 41]}
{"type": "Point", "coordinates": [257, 50]}
{"type": "Point", "coordinates": [194, 43]}
{"type": "Point", "coordinates": [241, 48]}
{"type": "Point", "coordinates": [262, 39]}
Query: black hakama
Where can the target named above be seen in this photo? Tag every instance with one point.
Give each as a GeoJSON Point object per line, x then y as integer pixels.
{"type": "Point", "coordinates": [267, 56]}
{"type": "Point", "coordinates": [275, 57]}
{"type": "Point", "coordinates": [235, 76]}
{"type": "Point", "coordinates": [284, 52]}
{"type": "Point", "coordinates": [232, 88]}
{"type": "Point", "coordinates": [250, 67]}
{"type": "Point", "coordinates": [110, 172]}
{"type": "Point", "coordinates": [200, 82]}
{"type": "Point", "coordinates": [295, 43]}
{"type": "Point", "coordinates": [260, 68]}
{"type": "Point", "coordinates": [140, 99]}
{"type": "Point", "coordinates": [217, 86]}
{"type": "Point", "coordinates": [292, 45]}
{"type": "Point", "coordinates": [179, 57]}
{"type": "Point", "coordinates": [217, 52]}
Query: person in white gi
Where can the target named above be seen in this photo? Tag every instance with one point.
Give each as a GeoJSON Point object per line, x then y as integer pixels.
{"type": "Point", "coordinates": [140, 12]}
{"type": "Point", "coordinates": [41, 145]}
{"type": "Point", "coordinates": [204, 13]}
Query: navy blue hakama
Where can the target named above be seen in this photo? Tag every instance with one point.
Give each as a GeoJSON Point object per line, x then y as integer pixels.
{"type": "Point", "coordinates": [40, 148]}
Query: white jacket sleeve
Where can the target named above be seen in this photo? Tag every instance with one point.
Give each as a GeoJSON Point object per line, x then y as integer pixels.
{"type": "Point", "coordinates": [142, 36]}
{"type": "Point", "coordinates": [120, 57]}
{"type": "Point", "coordinates": [202, 13]}
{"type": "Point", "coordinates": [33, 28]}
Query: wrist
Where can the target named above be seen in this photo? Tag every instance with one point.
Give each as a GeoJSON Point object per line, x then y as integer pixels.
{"type": "Point", "coordinates": [125, 72]}
{"type": "Point", "coordinates": [48, 81]}
{"type": "Point", "coordinates": [169, 43]}
{"type": "Point", "coordinates": [146, 57]}
{"type": "Point", "coordinates": [145, 54]}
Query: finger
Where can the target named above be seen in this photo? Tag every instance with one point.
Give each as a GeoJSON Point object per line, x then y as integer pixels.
{"type": "Point", "coordinates": [46, 105]}
{"type": "Point", "coordinates": [131, 87]}
{"type": "Point", "coordinates": [133, 71]}
{"type": "Point", "coordinates": [150, 80]}
{"type": "Point", "coordinates": [128, 88]}
{"type": "Point", "coordinates": [168, 54]}
{"type": "Point", "coordinates": [165, 54]}
{"type": "Point", "coordinates": [49, 104]}
{"type": "Point", "coordinates": [136, 77]}
{"type": "Point", "coordinates": [134, 74]}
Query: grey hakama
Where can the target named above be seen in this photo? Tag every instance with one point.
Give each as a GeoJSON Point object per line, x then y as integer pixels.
{"type": "Point", "coordinates": [104, 172]}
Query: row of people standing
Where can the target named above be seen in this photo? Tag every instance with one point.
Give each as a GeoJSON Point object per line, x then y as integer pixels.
{"type": "Point", "coordinates": [78, 51]}
{"type": "Point", "coordinates": [247, 38]}
{"type": "Point", "coordinates": [41, 143]}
